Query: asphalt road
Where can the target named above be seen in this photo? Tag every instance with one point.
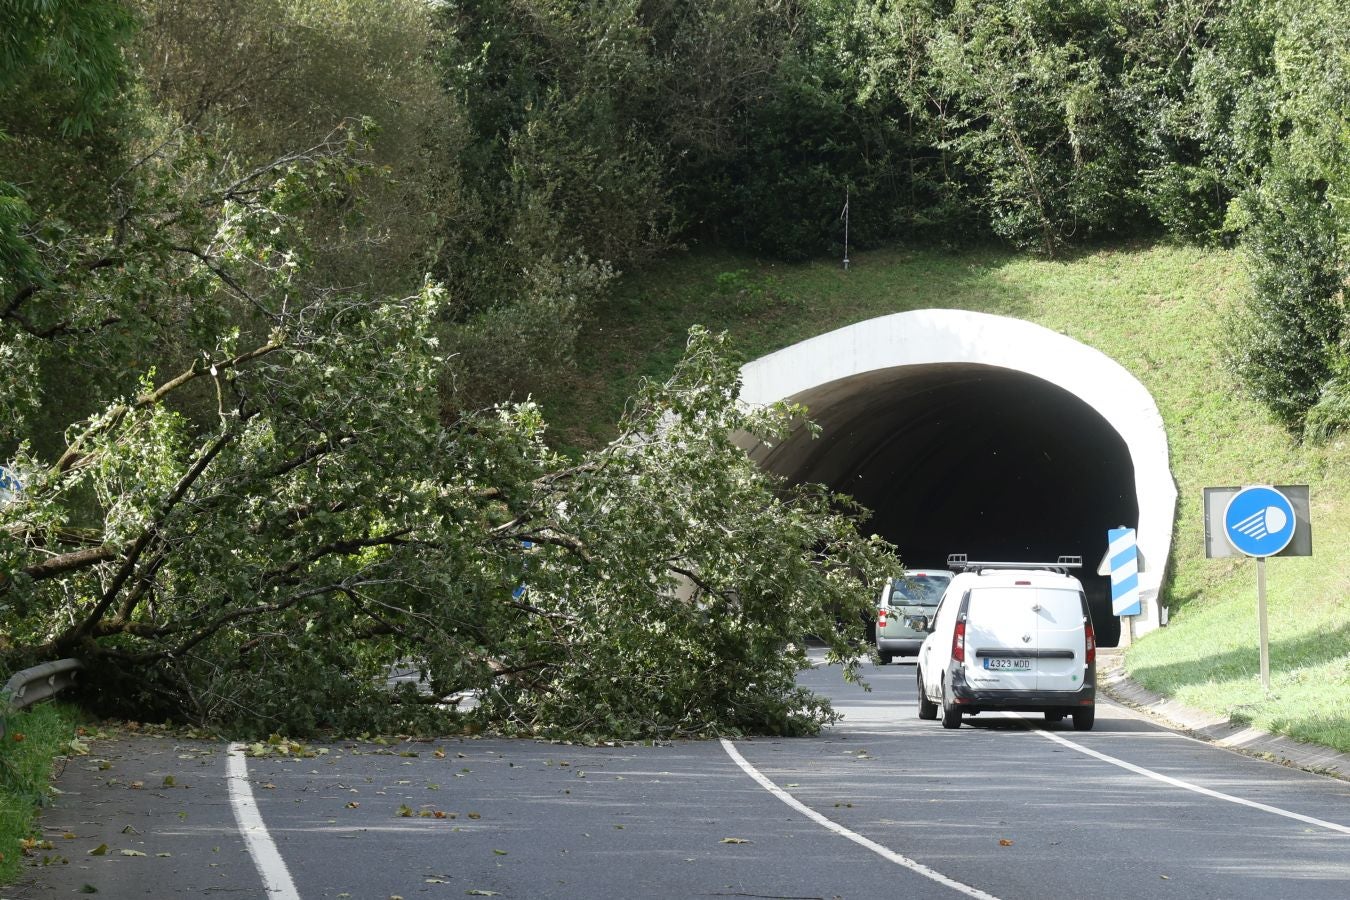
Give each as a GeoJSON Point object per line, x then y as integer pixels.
{"type": "Point", "coordinates": [883, 805]}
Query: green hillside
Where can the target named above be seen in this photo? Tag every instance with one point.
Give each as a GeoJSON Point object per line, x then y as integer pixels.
{"type": "Point", "coordinates": [1159, 311]}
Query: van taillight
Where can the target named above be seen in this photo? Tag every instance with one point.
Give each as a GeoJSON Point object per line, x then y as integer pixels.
{"type": "Point", "coordinates": [1091, 644]}
{"type": "Point", "coordinates": [959, 642]}
{"type": "Point", "coordinates": [881, 617]}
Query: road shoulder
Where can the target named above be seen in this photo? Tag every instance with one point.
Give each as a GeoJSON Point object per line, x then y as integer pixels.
{"type": "Point", "coordinates": [139, 815]}
{"type": "Point", "coordinates": [1115, 682]}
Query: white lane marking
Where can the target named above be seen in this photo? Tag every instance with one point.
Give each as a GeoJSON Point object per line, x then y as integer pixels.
{"type": "Point", "coordinates": [884, 852]}
{"type": "Point", "coordinates": [1186, 785]}
{"type": "Point", "coordinates": [276, 878]}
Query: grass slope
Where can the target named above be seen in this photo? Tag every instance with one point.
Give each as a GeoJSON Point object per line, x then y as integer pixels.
{"type": "Point", "coordinates": [33, 739]}
{"type": "Point", "coordinates": [1157, 310]}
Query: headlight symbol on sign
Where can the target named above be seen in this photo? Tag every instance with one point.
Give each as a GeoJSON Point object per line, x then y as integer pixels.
{"type": "Point", "coordinates": [1263, 523]}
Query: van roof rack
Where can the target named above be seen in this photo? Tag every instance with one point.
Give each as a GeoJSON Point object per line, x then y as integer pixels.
{"type": "Point", "coordinates": [959, 562]}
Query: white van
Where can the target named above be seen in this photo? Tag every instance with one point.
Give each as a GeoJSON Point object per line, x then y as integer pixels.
{"type": "Point", "coordinates": [1009, 636]}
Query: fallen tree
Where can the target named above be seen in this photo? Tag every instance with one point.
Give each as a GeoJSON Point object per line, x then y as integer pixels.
{"type": "Point", "coordinates": [264, 569]}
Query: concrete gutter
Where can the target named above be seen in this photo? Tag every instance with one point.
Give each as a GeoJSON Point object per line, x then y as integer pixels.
{"type": "Point", "coordinates": [1113, 681]}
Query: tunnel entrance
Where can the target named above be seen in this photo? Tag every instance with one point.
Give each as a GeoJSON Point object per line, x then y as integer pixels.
{"type": "Point", "coordinates": [971, 459]}
{"type": "Point", "coordinates": [968, 433]}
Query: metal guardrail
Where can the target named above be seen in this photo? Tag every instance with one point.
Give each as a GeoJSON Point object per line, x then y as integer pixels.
{"type": "Point", "coordinates": [34, 685]}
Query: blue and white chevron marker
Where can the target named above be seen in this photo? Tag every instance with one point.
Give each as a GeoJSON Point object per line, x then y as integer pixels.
{"type": "Point", "coordinates": [1124, 558]}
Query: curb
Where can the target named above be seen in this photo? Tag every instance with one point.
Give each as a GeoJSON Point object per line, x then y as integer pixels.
{"type": "Point", "coordinates": [1113, 681]}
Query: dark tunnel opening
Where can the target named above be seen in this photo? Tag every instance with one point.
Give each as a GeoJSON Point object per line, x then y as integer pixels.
{"type": "Point", "coordinates": [961, 458]}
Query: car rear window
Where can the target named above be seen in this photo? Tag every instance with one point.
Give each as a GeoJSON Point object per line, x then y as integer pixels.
{"type": "Point", "coordinates": [918, 590]}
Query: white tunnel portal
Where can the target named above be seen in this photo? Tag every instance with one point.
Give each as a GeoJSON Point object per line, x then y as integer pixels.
{"type": "Point", "coordinates": [970, 433]}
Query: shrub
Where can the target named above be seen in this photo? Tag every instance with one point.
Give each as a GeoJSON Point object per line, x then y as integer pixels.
{"type": "Point", "coordinates": [1285, 339]}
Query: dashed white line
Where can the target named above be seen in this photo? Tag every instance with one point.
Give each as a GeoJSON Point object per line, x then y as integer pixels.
{"type": "Point", "coordinates": [276, 878]}
{"type": "Point", "coordinates": [831, 825]}
{"type": "Point", "coordinates": [1186, 785]}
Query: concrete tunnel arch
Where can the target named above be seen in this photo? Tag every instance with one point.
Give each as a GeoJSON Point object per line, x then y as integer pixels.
{"type": "Point", "coordinates": [972, 433]}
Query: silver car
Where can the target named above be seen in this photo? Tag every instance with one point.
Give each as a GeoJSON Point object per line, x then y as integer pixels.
{"type": "Point", "coordinates": [915, 594]}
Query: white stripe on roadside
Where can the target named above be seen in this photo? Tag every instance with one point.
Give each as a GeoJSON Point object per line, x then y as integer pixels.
{"type": "Point", "coordinates": [276, 878]}
{"type": "Point", "coordinates": [1186, 785]}
{"type": "Point", "coordinates": [884, 852]}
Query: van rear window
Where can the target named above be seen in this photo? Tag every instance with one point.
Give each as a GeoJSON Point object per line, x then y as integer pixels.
{"type": "Point", "coordinates": [1059, 600]}
{"type": "Point", "coordinates": [918, 590]}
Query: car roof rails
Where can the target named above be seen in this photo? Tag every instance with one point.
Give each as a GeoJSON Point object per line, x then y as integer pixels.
{"type": "Point", "coordinates": [959, 562]}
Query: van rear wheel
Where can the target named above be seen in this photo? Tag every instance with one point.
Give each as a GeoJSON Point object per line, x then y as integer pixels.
{"type": "Point", "coordinates": [927, 708]}
{"type": "Point", "coordinates": [951, 715]}
{"type": "Point", "coordinates": [1083, 718]}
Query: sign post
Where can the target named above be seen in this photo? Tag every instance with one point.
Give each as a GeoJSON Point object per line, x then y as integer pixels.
{"type": "Point", "coordinates": [1261, 626]}
{"type": "Point", "coordinates": [1259, 521]}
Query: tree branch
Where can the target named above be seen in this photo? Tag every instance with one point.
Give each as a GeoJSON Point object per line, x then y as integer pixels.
{"type": "Point", "coordinates": [310, 453]}
{"type": "Point", "coordinates": [236, 190]}
{"type": "Point", "coordinates": [207, 631]}
{"type": "Point", "coordinates": [68, 562]}
{"type": "Point", "coordinates": [702, 584]}
{"type": "Point", "coordinates": [74, 456]}
{"type": "Point", "coordinates": [23, 294]}
{"type": "Point", "coordinates": [93, 627]}
{"type": "Point", "coordinates": [557, 540]}
{"type": "Point", "coordinates": [230, 281]}
{"type": "Point", "coordinates": [78, 632]}
{"type": "Point", "coordinates": [61, 328]}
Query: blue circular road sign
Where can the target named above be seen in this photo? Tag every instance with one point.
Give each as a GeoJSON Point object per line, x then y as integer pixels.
{"type": "Point", "coordinates": [1259, 521]}
{"type": "Point", "coordinates": [10, 485]}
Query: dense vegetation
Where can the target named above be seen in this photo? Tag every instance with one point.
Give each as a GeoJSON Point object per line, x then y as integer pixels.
{"type": "Point", "coordinates": [277, 277]}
